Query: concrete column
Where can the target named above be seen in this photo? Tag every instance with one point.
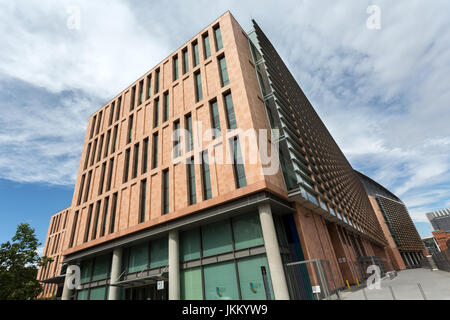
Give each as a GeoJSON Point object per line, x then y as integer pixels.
{"type": "Point", "coordinates": [116, 266]}
{"type": "Point", "coordinates": [277, 275]}
{"type": "Point", "coordinates": [413, 263]}
{"type": "Point", "coordinates": [67, 293]}
{"type": "Point", "coordinates": [174, 266]}
{"type": "Point", "coordinates": [405, 259]}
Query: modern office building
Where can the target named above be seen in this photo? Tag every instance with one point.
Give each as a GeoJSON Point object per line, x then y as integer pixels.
{"type": "Point", "coordinates": [406, 248]}
{"type": "Point", "coordinates": [159, 214]}
{"type": "Point", "coordinates": [440, 219]}
{"type": "Point", "coordinates": [50, 275]}
{"type": "Point", "coordinates": [431, 244]}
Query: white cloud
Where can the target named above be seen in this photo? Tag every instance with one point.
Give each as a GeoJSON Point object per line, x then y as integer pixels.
{"type": "Point", "coordinates": [384, 95]}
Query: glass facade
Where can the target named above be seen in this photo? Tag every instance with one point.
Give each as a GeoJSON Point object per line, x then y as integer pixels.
{"type": "Point", "coordinates": [254, 278]}
{"type": "Point", "coordinates": [216, 238]}
{"type": "Point", "coordinates": [221, 281]}
{"type": "Point", "coordinates": [191, 284]}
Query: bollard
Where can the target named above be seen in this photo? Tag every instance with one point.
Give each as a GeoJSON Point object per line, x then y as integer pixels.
{"type": "Point", "coordinates": [348, 285]}
{"type": "Point", "coordinates": [357, 282]}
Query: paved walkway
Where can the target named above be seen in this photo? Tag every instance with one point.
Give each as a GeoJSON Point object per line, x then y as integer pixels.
{"type": "Point", "coordinates": [435, 285]}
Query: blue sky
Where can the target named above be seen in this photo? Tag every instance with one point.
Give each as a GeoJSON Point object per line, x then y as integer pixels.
{"type": "Point", "coordinates": [383, 94]}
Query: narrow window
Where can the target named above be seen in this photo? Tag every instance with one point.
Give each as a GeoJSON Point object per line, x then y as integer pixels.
{"type": "Point", "coordinates": [126, 166]}
{"type": "Point", "coordinates": [215, 119]}
{"type": "Point", "coordinates": [108, 138]}
{"type": "Point", "coordinates": [166, 107]}
{"type": "Point", "coordinates": [188, 127]}
{"type": "Point", "coordinates": [114, 142]}
{"type": "Point", "coordinates": [155, 151]}
{"type": "Point", "coordinates": [105, 217]}
{"type": "Point", "coordinates": [238, 165]}
{"type": "Point", "coordinates": [198, 87]}
{"type": "Point", "coordinates": [86, 159]}
{"type": "Point", "coordinates": [102, 179]}
{"type": "Point", "coordinates": [113, 213]}
{"type": "Point", "coordinates": [157, 79]}
{"type": "Point", "coordinates": [229, 108]}
{"type": "Point", "coordinates": [191, 182]}
{"type": "Point", "coordinates": [95, 225]}
{"type": "Point", "coordinates": [145, 156]}
{"type": "Point", "coordinates": [111, 113]}
{"type": "Point", "coordinates": [119, 105]}
{"type": "Point", "coordinates": [175, 68]}
{"type": "Point", "coordinates": [135, 160]}
{"type": "Point", "coordinates": [142, 201]}
{"type": "Point", "coordinates": [100, 147]}
{"type": "Point", "coordinates": [218, 38]}
{"type": "Point", "coordinates": [110, 172]}
{"type": "Point", "coordinates": [196, 57]}
{"type": "Point", "coordinates": [130, 129]}
{"type": "Point", "coordinates": [88, 186]}
{"type": "Point", "coordinates": [166, 192]}
{"type": "Point", "coordinates": [133, 98]}
{"type": "Point", "coordinates": [149, 86]}
{"type": "Point", "coordinates": [88, 225]}
{"type": "Point", "coordinates": [185, 60]}
{"type": "Point", "coordinates": [99, 122]}
{"type": "Point", "coordinates": [80, 191]}
{"type": "Point", "coordinates": [223, 71]}
{"type": "Point", "coordinates": [94, 120]}
{"type": "Point", "coordinates": [141, 91]}
{"type": "Point", "coordinates": [176, 139]}
{"type": "Point", "coordinates": [93, 152]}
{"type": "Point", "coordinates": [206, 46]}
{"type": "Point", "coordinates": [206, 177]}
{"type": "Point", "coordinates": [156, 113]}
{"type": "Point", "coordinates": [74, 228]}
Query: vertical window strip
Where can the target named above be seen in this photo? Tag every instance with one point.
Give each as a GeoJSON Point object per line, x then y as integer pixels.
{"type": "Point", "coordinates": [238, 165]}
{"type": "Point", "coordinates": [175, 68]}
{"type": "Point", "coordinates": [215, 119]}
{"type": "Point", "coordinates": [108, 138]}
{"type": "Point", "coordinates": [141, 91]}
{"type": "Point", "coordinates": [100, 147]}
{"type": "Point", "coordinates": [88, 186]}
{"type": "Point", "coordinates": [110, 172]}
{"type": "Point", "coordinates": [88, 223]}
{"type": "Point", "coordinates": [130, 129]}
{"type": "Point", "coordinates": [74, 228]}
{"type": "Point", "coordinates": [191, 182]}
{"type": "Point", "coordinates": [198, 87]}
{"type": "Point", "coordinates": [196, 57]}
{"type": "Point", "coordinates": [105, 217]}
{"type": "Point", "coordinates": [80, 191]}
{"type": "Point", "coordinates": [149, 86]}
{"type": "Point", "coordinates": [206, 46]}
{"type": "Point", "coordinates": [114, 142]}
{"type": "Point", "coordinates": [155, 151]}
{"type": "Point", "coordinates": [102, 179]}
{"type": "Point", "coordinates": [166, 107]}
{"type": "Point", "coordinates": [111, 113]}
{"type": "Point", "coordinates": [142, 201]}
{"type": "Point", "coordinates": [135, 160]}
{"type": "Point", "coordinates": [86, 159]}
{"type": "Point", "coordinates": [176, 140]}
{"type": "Point", "coordinates": [206, 177]}
{"type": "Point", "coordinates": [95, 225]}
{"type": "Point", "coordinates": [156, 113]}
{"type": "Point", "coordinates": [145, 157]}
{"type": "Point", "coordinates": [185, 61]}
{"type": "Point", "coordinates": [218, 38]}
{"type": "Point", "coordinates": [93, 152]}
{"type": "Point", "coordinates": [157, 80]}
{"type": "Point", "coordinates": [113, 213]}
{"type": "Point", "coordinates": [99, 122]}
{"type": "Point", "coordinates": [133, 98]}
{"type": "Point", "coordinates": [166, 208]}
{"type": "Point", "coordinates": [223, 72]}
{"type": "Point", "coordinates": [94, 121]}
{"type": "Point", "coordinates": [119, 105]}
{"type": "Point", "coordinates": [189, 138]}
{"type": "Point", "coordinates": [231, 116]}
{"type": "Point", "coordinates": [126, 165]}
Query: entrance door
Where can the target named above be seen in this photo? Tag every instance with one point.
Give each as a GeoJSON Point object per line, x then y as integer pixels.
{"type": "Point", "coordinates": [149, 292]}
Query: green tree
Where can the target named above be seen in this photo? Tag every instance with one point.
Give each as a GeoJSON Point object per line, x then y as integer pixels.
{"type": "Point", "coordinates": [19, 263]}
